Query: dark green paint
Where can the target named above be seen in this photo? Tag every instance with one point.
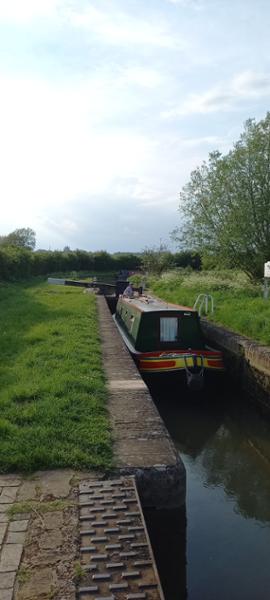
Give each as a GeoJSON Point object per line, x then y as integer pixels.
{"type": "Point", "coordinates": [143, 328]}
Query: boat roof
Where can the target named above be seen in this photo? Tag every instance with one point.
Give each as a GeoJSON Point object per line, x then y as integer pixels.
{"type": "Point", "coordinates": [151, 304]}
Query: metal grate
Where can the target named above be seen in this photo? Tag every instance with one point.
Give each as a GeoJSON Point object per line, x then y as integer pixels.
{"type": "Point", "coordinates": [116, 554]}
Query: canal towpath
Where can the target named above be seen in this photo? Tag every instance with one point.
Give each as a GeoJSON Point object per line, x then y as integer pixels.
{"type": "Point", "coordinates": [39, 514]}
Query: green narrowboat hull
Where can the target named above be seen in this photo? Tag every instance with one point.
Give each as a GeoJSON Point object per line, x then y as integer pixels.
{"type": "Point", "coordinates": [166, 338]}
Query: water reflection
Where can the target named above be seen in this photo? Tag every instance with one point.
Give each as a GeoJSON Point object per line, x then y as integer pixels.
{"type": "Point", "coordinates": [230, 443]}
{"type": "Point", "coordinates": [167, 531]}
{"type": "Point", "coordinates": [233, 458]}
{"type": "Point", "coordinates": [225, 446]}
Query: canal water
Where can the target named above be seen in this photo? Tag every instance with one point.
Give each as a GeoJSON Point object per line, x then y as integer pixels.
{"type": "Point", "coordinates": [219, 547]}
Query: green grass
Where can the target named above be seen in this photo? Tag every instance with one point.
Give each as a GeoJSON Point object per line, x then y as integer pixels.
{"type": "Point", "coordinates": [52, 394]}
{"type": "Point", "coordinates": [239, 304]}
{"type": "Point", "coordinates": [19, 508]}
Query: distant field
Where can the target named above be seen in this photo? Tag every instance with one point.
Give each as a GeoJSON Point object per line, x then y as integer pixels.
{"type": "Point", "coordinates": [52, 392]}
{"type": "Point", "coordinates": [239, 304]}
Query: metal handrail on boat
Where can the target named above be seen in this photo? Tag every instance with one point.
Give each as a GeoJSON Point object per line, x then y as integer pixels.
{"type": "Point", "coordinates": [202, 302]}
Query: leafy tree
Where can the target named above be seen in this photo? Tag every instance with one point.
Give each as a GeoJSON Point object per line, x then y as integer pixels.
{"type": "Point", "coordinates": [21, 238]}
{"type": "Point", "coordinates": [226, 203]}
{"type": "Point", "coordinates": [155, 260]}
{"type": "Point", "coordinates": [186, 259]}
{"type": "Point", "coordinates": [15, 263]}
{"type": "Point", "coordinates": [103, 261]}
{"type": "Point", "coordinates": [126, 260]}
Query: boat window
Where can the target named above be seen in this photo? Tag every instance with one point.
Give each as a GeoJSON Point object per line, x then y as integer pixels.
{"type": "Point", "coordinates": [168, 329]}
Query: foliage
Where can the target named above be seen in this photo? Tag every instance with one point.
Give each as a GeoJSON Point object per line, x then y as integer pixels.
{"type": "Point", "coordinates": [127, 260]}
{"type": "Point", "coordinates": [226, 204]}
{"type": "Point", "coordinates": [187, 259]}
{"type": "Point", "coordinates": [19, 263]}
{"type": "Point", "coordinates": [79, 572]}
{"type": "Point", "coordinates": [20, 238]}
{"type": "Point", "coordinates": [38, 507]}
{"type": "Point", "coordinates": [15, 263]}
{"type": "Point", "coordinates": [52, 390]}
{"type": "Point", "coordinates": [239, 304]}
{"type": "Point", "coordinates": [155, 260]}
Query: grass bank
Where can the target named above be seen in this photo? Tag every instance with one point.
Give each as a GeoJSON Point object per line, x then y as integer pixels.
{"type": "Point", "coordinates": [52, 393]}
{"type": "Point", "coordinates": [239, 304]}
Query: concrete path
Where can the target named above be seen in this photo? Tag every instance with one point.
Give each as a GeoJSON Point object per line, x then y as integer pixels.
{"type": "Point", "coordinates": [142, 444]}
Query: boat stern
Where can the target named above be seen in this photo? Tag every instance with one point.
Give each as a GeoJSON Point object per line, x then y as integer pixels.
{"type": "Point", "coordinates": [194, 363]}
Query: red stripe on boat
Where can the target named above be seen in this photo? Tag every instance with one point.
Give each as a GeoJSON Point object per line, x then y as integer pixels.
{"type": "Point", "coordinates": [181, 352]}
{"type": "Point", "coordinates": [216, 363]}
{"type": "Point", "coordinates": [156, 364]}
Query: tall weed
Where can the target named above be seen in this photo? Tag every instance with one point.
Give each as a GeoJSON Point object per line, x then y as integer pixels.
{"type": "Point", "coordinates": [239, 304]}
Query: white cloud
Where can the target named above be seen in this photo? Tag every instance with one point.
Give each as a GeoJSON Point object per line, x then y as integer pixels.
{"type": "Point", "coordinates": [25, 10]}
{"type": "Point", "coordinates": [224, 97]}
{"type": "Point", "coordinates": [82, 147]}
{"type": "Point", "coordinates": [119, 28]}
{"type": "Point", "coordinates": [142, 76]}
{"type": "Point", "coordinates": [197, 4]}
{"type": "Point", "coordinates": [51, 150]}
{"type": "Point", "coordinates": [211, 140]}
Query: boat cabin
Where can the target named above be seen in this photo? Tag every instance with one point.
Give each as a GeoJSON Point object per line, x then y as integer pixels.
{"type": "Point", "coordinates": [153, 325]}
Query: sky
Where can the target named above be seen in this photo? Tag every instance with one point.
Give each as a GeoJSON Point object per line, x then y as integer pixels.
{"type": "Point", "coordinates": [106, 106]}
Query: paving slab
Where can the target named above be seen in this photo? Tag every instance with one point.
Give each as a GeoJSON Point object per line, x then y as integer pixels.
{"type": "Point", "coordinates": [7, 580]}
{"type": "Point", "coordinates": [3, 529]}
{"type": "Point", "coordinates": [4, 518]}
{"type": "Point", "coordinates": [47, 485]}
{"type": "Point", "coordinates": [29, 490]}
{"type": "Point", "coordinates": [4, 507]}
{"type": "Point", "coordinates": [8, 494]}
{"type": "Point", "coordinates": [18, 525]}
{"type": "Point", "coordinates": [10, 557]}
{"type": "Point", "coordinates": [6, 594]}
{"type": "Point", "coordinates": [9, 480]}
{"type": "Point", "coordinates": [15, 537]}
{"type": "Point", "coordinates": [55, 484]}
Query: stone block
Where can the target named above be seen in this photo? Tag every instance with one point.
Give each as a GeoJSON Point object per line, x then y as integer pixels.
{"type": "Point", "coordinates": [9, 480]}
{"type": "Point", "coordinates": [5, 507]}
{"type": "Point", "coordinates": [7, 580]}
{"type": "Point", "coordinates": [4, 517]}
{"type": "Point", "coordinates": [22, 516]}
{"type": "Point", "coordinates": [29, 490]}
{"type": "Point", "coordinates": [3, 528]}
{"type": "Point", "coordinates": [15, 537]}
{"type": "Point", "coordinates": [10, 557]}
{"type": "Point", "coordinates": [6, 594]}
{"type": "Point", "coordinates": [55, 484]}
{"type": "Point", "coordinates": [8, 495]}
{"type": "Point", "coordinates": [18, 525]}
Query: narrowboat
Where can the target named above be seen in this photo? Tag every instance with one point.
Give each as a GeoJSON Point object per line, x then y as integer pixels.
{"type": "Point", "coordinates": [165, 339]}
